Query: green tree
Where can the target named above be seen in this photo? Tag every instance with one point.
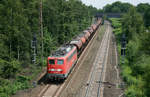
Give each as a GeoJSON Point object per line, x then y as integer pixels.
{"type": "Point", "coordinates": [142, 7]}
{"type": "Point", "coordinates": [132, 23]}
{"type": "Point", "coordinates": [62, 20]}
{"type": "Point", "coordinates": [147, 17]}
{"type": "Point", "coordinates": [117, 7]}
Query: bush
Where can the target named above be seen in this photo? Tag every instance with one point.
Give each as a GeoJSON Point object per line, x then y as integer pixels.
{"type": "Point", "coordinates": [126, 71]}
{"type": "Point", "coordinates": [10, 69]}
{"type": "Point", "coordinates": [8, 88]}
{"type": "Point", "coordinates": [133, 91]}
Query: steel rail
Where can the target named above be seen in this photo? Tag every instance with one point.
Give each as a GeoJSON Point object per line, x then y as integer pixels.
{"type": "Point", "coordinates": [78, 64]}
{"type": "Point", "coordinates": [103, 64]}
{"type": "Point", "coordinates": [93, 70]}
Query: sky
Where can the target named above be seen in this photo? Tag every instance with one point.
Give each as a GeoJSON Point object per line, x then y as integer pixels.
{"type": "Point", "coordinates": [101, 3]}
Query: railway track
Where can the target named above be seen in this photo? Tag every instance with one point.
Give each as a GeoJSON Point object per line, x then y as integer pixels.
{"type": "Point", "coordinates": [54, 90]}
{"type": "Point", "coordinates": [94, 86]}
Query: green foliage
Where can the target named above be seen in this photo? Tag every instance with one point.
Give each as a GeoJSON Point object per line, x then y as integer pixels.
{"type": "Point", "coordinates": [133, 91]}
{"type": "Point", "coordinates": [7, 87]}
{"type": "Point", "coordinates": [132, 23]}
{"type": "Point", "coordinates": [9, 69]}
{"type": "Point", "coordinates": [133, 47]}
{"type": "Point", "coordinates": [135, 65]}
{"type": "Point", "coordinates": [142, 7]}
{"type": "Point", "coordinates": [147, 80]}
{"type": "Point", "coordinates": [117, 7]}
{"type": "Point", "coordinates": [126, 72]}
{"type": "Point", "coordinates": [145, 48]}
{"type": "Point", "coordinates": [116, 23]}
{"type": "Point", "coordinates": [50, 43]}
{"type": "Point", "coordinates": [62, 20]}
{"type": "Point", "coordinates": [147, 17]}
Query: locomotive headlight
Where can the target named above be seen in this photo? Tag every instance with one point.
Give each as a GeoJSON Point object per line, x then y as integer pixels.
{"type": "Point", "coordinates": [52, 69]}
{"type": "Point", "coordinates": [59, 69]}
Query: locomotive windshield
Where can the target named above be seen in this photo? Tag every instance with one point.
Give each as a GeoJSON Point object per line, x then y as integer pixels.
{"type": "Point", "coordinates": [60, 62]}
{"type": "Point", "coordinates": [51, 61]}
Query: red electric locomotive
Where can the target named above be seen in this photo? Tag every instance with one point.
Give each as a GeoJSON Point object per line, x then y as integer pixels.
{"type": "Point", "coordinates": [61, 62]}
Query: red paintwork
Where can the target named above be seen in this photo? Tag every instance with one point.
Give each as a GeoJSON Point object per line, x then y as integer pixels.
{"type": "Point", "coordinates": [67, 64]}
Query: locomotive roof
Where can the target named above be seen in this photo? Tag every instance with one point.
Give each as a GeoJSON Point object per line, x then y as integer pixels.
{"type": "Point", "coordinates": [62, 51]}
{"type": "Point", "coordinates": [85, 31]}
{"type": "Point", "coordinates": [81, 35]}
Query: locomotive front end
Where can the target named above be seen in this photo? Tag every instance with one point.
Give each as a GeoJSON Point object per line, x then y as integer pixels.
{"type": "Point", "coordinates": [55, 68]}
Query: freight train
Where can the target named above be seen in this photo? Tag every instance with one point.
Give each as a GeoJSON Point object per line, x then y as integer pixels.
{"type": "Point", "coordinates": [61, 62]}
